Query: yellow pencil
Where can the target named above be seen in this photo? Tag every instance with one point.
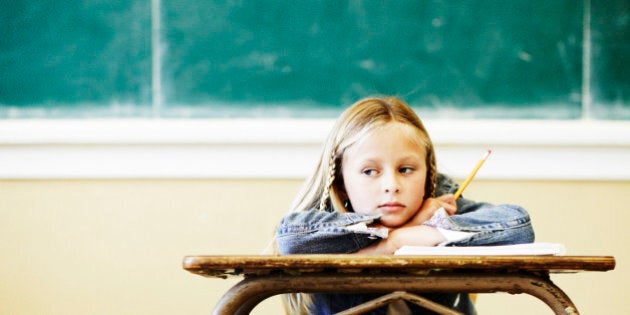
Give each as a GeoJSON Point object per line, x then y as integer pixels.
{"type": "Point", "coordinates": [472, 174]}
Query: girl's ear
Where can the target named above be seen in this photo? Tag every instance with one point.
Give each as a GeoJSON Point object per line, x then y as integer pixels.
{"type": "Point", "coordinates": [343, 197]}
{"type": "Point", "coordinates": [342, 194]}
{"type": "Point", "coordinates": [341, 187]}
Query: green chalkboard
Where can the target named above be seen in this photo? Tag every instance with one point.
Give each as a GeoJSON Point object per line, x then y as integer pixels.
{"type": "Point", "coordinates": [610, 59]}
{"type": "Point", "coordinates": [490, 59]}
{"type": "Point", "coordinates": [74, 58]}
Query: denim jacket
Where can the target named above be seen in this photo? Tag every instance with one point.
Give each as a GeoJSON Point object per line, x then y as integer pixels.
{"type": "Point", "coordinates": [329, 232]}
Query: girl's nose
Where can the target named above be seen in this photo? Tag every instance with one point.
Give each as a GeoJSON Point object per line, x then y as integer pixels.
{"type": "Point", "coordinates": [391, 184]}
{"type": "Point", "coordinates": [394, 189]}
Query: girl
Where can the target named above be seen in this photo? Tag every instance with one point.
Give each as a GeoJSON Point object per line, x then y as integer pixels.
{"type": "Point", "coordinates": [375, 189]}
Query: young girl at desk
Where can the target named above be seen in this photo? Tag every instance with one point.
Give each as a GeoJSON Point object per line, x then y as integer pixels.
{"type": "Point", "coordinates": [375, 189]}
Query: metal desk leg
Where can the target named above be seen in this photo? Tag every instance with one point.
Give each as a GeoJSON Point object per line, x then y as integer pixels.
{"type": "Point", "coordinates": [245, 295]}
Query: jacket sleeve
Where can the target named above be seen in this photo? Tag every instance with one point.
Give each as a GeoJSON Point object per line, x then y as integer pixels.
{"type": "Point", "coordinates": [322, 232]}
{"type": "Point", "coordinates": [490, 224]}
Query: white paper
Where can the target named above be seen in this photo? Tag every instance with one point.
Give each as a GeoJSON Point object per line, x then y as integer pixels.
{"type": "Point", "coordinates": [501, 250]}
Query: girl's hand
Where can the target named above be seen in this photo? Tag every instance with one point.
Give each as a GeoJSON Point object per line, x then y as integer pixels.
{"type": "Point", "coordinates": [431, 205]}
{"type": "Point", "coordinates": [413, 232]}
{"type": "Point", "coordinates": [419, 235]}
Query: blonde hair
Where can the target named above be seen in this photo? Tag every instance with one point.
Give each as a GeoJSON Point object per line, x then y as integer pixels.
{"type": "Point", "coordinates": [324, 190]}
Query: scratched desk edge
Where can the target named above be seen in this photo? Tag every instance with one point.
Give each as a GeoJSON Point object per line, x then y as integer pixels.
{"type": "Point", "coordinates": [233, 265]}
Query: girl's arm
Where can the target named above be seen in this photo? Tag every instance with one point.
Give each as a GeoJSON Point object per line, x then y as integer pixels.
{"type": "Point", "coordinates": [490, 224]}
{"type": "Point", "coordinates": [419, 235]}
{"type": "Point", "coordinates": [321, 232]}
{"type": "Point", "coordinates": [472, 224]}
{"type": "Point", "coordinates": [318, 232]}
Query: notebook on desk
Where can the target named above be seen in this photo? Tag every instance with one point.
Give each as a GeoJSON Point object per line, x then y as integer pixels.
{"type": "Point", "coordinates": [501, 250]}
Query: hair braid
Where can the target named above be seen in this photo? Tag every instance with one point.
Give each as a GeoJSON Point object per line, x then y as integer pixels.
{"type": "Point", "coordinates": [332, 169]}
{"type": "Point", "coordinates": [431, 186]}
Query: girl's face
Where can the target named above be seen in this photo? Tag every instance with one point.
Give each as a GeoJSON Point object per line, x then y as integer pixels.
{"type": "Point", "coordinates": [385, 172]}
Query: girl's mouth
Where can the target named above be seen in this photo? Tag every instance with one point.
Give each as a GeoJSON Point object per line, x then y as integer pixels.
{"type": "Point", "coordinates": [390, 207]}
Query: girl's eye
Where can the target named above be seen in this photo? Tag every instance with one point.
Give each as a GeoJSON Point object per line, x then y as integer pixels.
{"type": "Point", "coordinates": [369, 172]}
{"type": "Point", "coordinates": [406, 170]}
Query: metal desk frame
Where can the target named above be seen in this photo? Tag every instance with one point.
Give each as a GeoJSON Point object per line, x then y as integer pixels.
{"type": "Point", "coordinates": [266, 276]}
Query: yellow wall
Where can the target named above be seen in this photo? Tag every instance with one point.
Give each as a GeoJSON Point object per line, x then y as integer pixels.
{"type": "Point", "coordinates": [116, 246]}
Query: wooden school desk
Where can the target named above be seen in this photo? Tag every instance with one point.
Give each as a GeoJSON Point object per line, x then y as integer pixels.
{"type": "Point", "coordinates": [265, 276]}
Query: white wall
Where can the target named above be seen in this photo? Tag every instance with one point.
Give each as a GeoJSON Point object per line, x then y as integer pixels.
{"type": "Point", "coordinates": [96, 216]}
{"type": "Point", "coordinates": [116, 246]}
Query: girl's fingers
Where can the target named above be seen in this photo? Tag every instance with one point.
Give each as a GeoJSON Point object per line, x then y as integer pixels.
{"type": "Point", "coordinates": [450, 209]}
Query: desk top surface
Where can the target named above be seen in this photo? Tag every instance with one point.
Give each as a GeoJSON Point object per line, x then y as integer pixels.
{"type": "Point", "coordinates": [222, 266]}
